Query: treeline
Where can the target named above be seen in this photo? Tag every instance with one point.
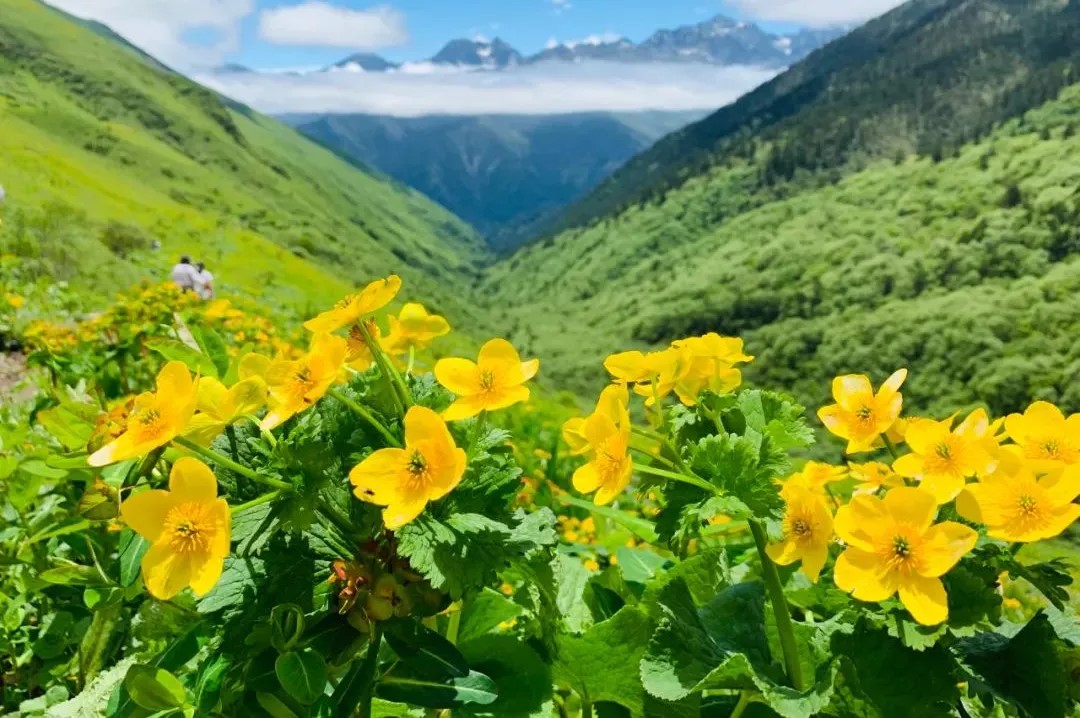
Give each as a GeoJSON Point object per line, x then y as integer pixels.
{"type": "Point", "coordinates": [925, 79]}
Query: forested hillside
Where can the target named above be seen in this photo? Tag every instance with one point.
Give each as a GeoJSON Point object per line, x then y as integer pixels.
{"type": "Point", "coordinates": [103, 151]}
{"type": "Point", "coordinates": [927, 77]}
{"type": "Point", "coordinates": [966, 268]}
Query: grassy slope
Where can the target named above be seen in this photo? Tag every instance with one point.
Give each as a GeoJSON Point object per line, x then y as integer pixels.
{"type": "Point", "coordinates": [90, 123]}
{"type": "Point", "coordinates": [914, 264]}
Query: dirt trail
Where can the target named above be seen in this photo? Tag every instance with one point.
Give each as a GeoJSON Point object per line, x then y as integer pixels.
{"type": "Point", "coordinates": [13, 375]}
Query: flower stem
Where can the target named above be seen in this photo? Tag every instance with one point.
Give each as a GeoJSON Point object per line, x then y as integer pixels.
{"type": "Point", "coordinates": [481, 422]}
{"type": "Point", "coordinates": [742, 705]}
{"type": "Point", "coordinates": [454, 623]}
{"type": "Point", "coordinates": [366, 416]}
{"type": "Point", "coordinates": [397, 383]}
{"type": "Point", "coordinates": [357, 688]}
{"type": "Point", "coordinates": [265, 498]}
{"type": "Point", "coordinates": [780, 609]}
{"type": "Point", "coordinates": [227, 463]}
{"type": "Point", "coordinates": [685, 478]}
{"type": "Point", "coordinates": [890, 446]}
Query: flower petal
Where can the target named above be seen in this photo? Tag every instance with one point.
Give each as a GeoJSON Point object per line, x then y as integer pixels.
{"type": "Point", "coordinates": [145, 512]}
{"type": "Point", "coordinates": [397, 515]}
{"type": "Point", "coordinates": [423, 425]}
{"type": "Point", "coordinates": [851, 388]}
{"type": "Point", "coordinates": [192, 480]}
{"type": "Point", "coordinates": [586, 479]}
{"type": "Point", "coordinates": [123, 447]}
{"type": "Point", "coordinates": [863, 575]}
{"type": "Point", "coordinates": [943, 546]}
{"type": "Point", "coordinates": [913, 506]}
{"type": "Point", "coordinates": [460, 376]}
{"type": "Point", "coordinates": [165, 572]}
{"type": "Point", "coordinates": [376, 479]}
{"type": "Point", "coordinates": [856, 521]}
{"type": "Point", "coordinates": [925, 599]}
{"type": "Point", "coordinates": [205, 573]}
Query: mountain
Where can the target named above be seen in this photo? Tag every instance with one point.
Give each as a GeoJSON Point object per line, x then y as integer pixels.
{"type": "Point", "coordinates": [476, 54]}
{"type": "Point", "coordinates": [100, 142]}
{"type": "Point", "coordinates": [503, 174]}
{"type": "Point", "coordinates": [907, 196]}
{"type": "Point", "coordinates": [719, 41]}
{"type": "Point", "coordinates": [365, 61]}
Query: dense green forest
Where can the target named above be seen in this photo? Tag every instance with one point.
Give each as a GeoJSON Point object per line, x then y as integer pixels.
{"type": "Point", "coordinates": [104, 151]}
{"type": "Point", "coordinates": [965, 267]}
{"type": "Point", "coordinates": [927, 78]}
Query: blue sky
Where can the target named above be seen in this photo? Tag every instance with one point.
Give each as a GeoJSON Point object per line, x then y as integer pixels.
{"type": "Point", "coordinates": [525, 24]}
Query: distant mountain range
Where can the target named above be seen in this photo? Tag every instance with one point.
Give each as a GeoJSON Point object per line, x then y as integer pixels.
{"type": "Point", "coordinates": [719, 41]}
{"type": "Point", "coordinates": [507, 175]}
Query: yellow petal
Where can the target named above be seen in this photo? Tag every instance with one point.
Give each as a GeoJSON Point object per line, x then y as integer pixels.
{"type": "Point", "coordinates": [376, 479]}
{"type": "Point", "coordinates": [174, 382]}
{"type": "Point", "coordinates": [924, 435]}
{"type": "Point", "coordinates": [121, 448]}
{"type": "Point", "coordinates": [212, 397]}
{"type": "Point", "coordinates": [912, 506]}
{"type": "Point", "coordinates": [586, 479]}
{"type": "Point", "coordinates": [205, 573]}
{"type": "Point", "coordinates": [252, 364]}
{"type": "Point", "coordinates": [460, 376]}
{"type": "Point", "coordinates": [422, 424]}
{"type": "Point", "coordinates": [863, 575]}
{"type": "Point", "coordinates": [448, 474]}
{"type": "Point", "coordinates": [498, 351]}
{"type": "Point", "coordinates": [944, 487]}
{"type": "Point", "coordinates": [610, 491]}
{"type": "Point", "coordinates": [851, 389]}
{"type": "Point", "coordinates": [165, 572]}
{"type": "Point", "coordinates": [145, 512]}
{"type": "Point", "coordinates": [784, 553]}
{"type": "Point", "coordinates": [398, 514]}
{"type": "Point", "coordinates": [943, 546]}
{"type": "Point", "coordinates": [192, 480]}
{"type": "Point", "coordinates": [813, 561]}
{"type": "Point", "coordinates": [203, 428]}
{"type": "Point", "coordinates": [909, 465]}
{"type": "Point", "coordinates": [857, 521]}
{"type": "Point", "coordinates": [629, 366]}
{"type": "Point", "coordinates": [247, 397]}
{"type": "Point", "coordinates": [894, 382]}
{"type": "Point", "coordinates": [925, 599]}
{"type": "Point", "coordinates": [530, 368]}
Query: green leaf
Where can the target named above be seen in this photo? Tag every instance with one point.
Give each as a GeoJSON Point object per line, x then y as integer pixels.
{"type": "Point", "coordinates": [38, 468]}
{"type": "Point", "coordinates": [213, 346]}
{"type": "Point", "coordinates": [639, 565]}
{"type": "Point", "coordinates": [132, 549]}
{"type": "Point", "coordinates": [718, 646]}
{"type": "Point", "coordinates": [745, 468]}
{"type": "Point", "coordinates": [484, 612]}
{"type": "Point", "coordinates": [1026, 670]}
{"type": "Point", "coordinates": [881, 676]}
{"type": "Point", "coordinates": [73, 576]}
{"type": "Point", "coordinates": [704, 574]}
{"type": "Point", "coordinates": [173, 350]}
{"type": "Point", "coordinates": [274, 706]}
{"type": "Point", "coordinates": [71, 422]}
{"type": "Point", "coordinates": [154, 689]}
{"type": "Point", "coordinates": [286, 626]}
{"type": "Point", "coordinates": [434, 693]}
{"type": "Point", "coordinates": [424, 651]}
{"type": "Point", "coordinates": [302, 674]}
{"type": "Point", "coordinates": [209, 683]}
{"type": "Point", "coordinates": [237, 586]}
{"type": "Point", "coordinates": [588, 664]}
{"type": "Point", "coordinates": [777, 417]}
{"type": "Point", "coordinates": [55, 636]}
{"type": "Point", "coordinates": [522, 678]}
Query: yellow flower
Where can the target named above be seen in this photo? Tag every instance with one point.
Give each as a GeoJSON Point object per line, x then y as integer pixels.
{"type": "Point", "coordinates": [614, 403]}
{"type": "Point", "coordinates": [873, 476]}
{"type": "Point", "coordinates": [405, 480]}
{"type": "Point", "coordinates": [155, 419]}
{"type": "Point", "coordinates": [1047, 438]}
{"type": "Point", "coordinates": [494, 381]}
{"type": "Point", "coordinates": [942, 458]}
{"type": "Point", "coordinates": [666, 369]}
{"type": "Point", "coordinates": [1017, 506]}
{"type": "Point", "coordinates": [808, 531]}
{"type": "Point", "coordinates": [253, 365]}
{"type": "Point", "coordinates": [591, 564]}
{"type": "Point", "coordinates": [629, 367]}
{"type": "Point", "coordinates": [894, 546]}
{"type": "Point", "coordinates": [358, 353]}
{"type": "Point", "coordinates": [371, 298]}
{"type": "Point", "coordinates": [296, 385]}
{"type": "Point", "coordinates": [708, 364]}
{"type": "Point", "coordinates": [815, 476]}
{"type": "Point", "coordinates": [610, 467]}
{"type": "Point", "coordinates": [219, 406]}
{"type": "Point", "coordinates": [15, 300]}
{"type": "Point", "coordinates": [413, 328]}
{"type": "Point", "coordinates": [187, 527]}
{"type": "Point", "coordinates": [859, 415]}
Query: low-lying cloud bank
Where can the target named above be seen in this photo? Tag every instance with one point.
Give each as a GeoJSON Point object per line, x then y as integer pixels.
{"type": "Point", "coordinates": [550, 88]}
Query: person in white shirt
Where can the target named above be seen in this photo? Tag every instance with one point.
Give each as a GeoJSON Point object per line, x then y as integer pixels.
{"type": "Point", "coordinates": [204, 282]}
{"type": "Point", "coordinates": [184, 274]}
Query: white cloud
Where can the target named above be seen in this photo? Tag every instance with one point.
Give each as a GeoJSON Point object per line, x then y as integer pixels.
{"type": "Point", "coordinates": [561, 6]}
{"type": "Point", "coordinates": [818, 13]}
{"type": "Point", "coordinates": [320, 24]}
{"type": "Point", "coordinates": [162, 27]}
{"type": "Point", "coordinates": [538, 89]}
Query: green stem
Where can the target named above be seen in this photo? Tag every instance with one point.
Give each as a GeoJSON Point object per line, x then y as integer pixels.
{"type": "Point", "coordinates": [780, 609]}
{"type": "Point", "coordinates": [890, 446]}
{"type": "Point", "coordinates": [392, 375]}
{"type": "Point", "coordinates": [366, 416]}
{"type": "Point", "coordinates": [742, 705]}
{"type": "Point", "coordinates": [412, 360]}
{"type": "Point", "coordinates": [481, 421]}
{"type": "Point", "coordinates": [227, 463]}
{"type": "Point", "coordinates": [685, 478]}
{"type": "Point", "coordinates": [264, 499]}
{"type": "Point", "coordinates": [234, 447]}
{"type": "Point", "coordinates": [371, 663]}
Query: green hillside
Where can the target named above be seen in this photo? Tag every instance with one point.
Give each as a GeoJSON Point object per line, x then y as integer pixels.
{"type": "Point", "coordinates": [966, 269]}
{"type": "Point", "coordinates": [102, 150]}
{"type": "Point", "coordinates": [928, 77]}
{"type": "Point", "coordinates": [507, 175]}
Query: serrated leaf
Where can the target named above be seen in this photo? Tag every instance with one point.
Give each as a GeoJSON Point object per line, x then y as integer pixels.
{"type": "Point", "coordinates": [484, 612]}
{"type": "Point", "coordinates": [432, 693]}
{"type": "Point", "coordinates": [638, 565]}
{"type": "Point", "coordinates": [238, 585]}
{"type": "Point", "coordinates": [745, 468]}
{"type": "Point", "coordinates": [521, 677]}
